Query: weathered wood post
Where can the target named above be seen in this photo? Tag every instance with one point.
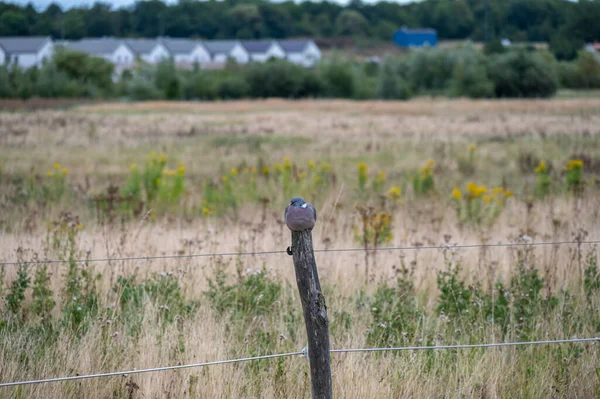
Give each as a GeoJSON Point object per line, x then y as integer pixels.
{"type": "Point", "coordinates": [315, 313]}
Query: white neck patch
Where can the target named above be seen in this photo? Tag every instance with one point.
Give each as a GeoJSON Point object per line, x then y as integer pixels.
{"type": "Point", "coordinates": [304, 205]}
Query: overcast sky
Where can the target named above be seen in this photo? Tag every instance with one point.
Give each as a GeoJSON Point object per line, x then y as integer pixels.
{"type": "Point", "coordinates": [42, 4]}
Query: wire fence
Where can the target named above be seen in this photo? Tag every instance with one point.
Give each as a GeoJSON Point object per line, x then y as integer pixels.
{"type": "Point", "coordinates": [302, 352]}
{"type": "Point", "coordinates": [526, 243]}
{"type": "Point", "coordinates": [258, 253]}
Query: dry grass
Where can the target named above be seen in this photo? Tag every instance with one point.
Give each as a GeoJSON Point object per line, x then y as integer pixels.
{"type": "Point", "coordinates": [97, 143]}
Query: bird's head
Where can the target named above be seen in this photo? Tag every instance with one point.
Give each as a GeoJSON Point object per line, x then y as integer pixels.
{"type": "Point", "coordinates": [296, 202]}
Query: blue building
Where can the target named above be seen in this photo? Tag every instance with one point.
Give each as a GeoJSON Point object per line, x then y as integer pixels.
{"type": "Point", "coordinates": [415, 37]}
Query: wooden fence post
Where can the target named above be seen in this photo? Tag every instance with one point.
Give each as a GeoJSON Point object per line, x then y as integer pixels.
{"type": "Point", "coordinates": [315, 313]}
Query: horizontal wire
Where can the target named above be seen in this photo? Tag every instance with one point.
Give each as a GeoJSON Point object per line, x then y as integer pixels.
{"type": "Point", "coordinates": [466, 346]}
{"type": "Point", "coordinates": [159, 257]}
{"type": "Point", "coordinates": [166, 368]}
{"type": "Point", "coordinates": [303, 352]}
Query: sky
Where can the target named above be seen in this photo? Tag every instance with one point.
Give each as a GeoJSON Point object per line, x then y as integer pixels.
{"type": "Point", "coordinates": [42, 4]}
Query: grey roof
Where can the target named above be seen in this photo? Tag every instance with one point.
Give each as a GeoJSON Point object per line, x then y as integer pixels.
{"type": "Point", "coordinates": [106, 45]}
{"type": "Point", "coordinates": [294, 46]}
{"type": "Point", "coordinates": [220, 46]}
{"type": "Point", "coordinates": [16, 45]}
{"type": "Point", "coordinates": [257, 46]}
{"type": "Point", "coordinates": [180, 46]}
{"type": "Point", "coordinates": [142, 46]}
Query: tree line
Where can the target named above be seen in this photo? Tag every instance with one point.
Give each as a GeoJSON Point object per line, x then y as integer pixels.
{"type": "Point", "coordinates": [566, 25]}
{"type": "Point", "coordinates": [460, 72]}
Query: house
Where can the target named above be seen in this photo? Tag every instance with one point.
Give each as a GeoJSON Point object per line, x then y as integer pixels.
{"type": "Point", "coordinates": [263, 50]}
{"type": "Point", "coordinates": [222, 50]}
{"type": "Point", "coordinates": [415, 37]}
{"type": "Point", "coordinates": [301, 52]}
{"type": "Point", "coordinates": [151, 51]}
{"type": "Point", "coordinates": [594, 49]}
{"type": "Point", "coordinates": [109, 48]}
{"type": "Point", "coordinates": [186, 52]}
{"type": "Point", "coordinates": [26, 52]}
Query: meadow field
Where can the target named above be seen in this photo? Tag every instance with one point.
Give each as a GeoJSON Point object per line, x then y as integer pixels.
{"type": "Point", "coordinates": [120, 180]}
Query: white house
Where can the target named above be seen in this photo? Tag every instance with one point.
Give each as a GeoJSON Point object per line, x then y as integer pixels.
{"type": "Point", "coordinates": [26, 52]}
{"type": "Point", "coordinates": [186, 52]}
{"type": "Point", "coordinates": [263, 50]}
{"type": "Point", "coordinates": [301, 52]}
{"type": "Point", "coordinates": [109, 48]}
{"type": "Point", "coordinates": [222, 50]}
{"type": "Point", "coordinates": [151, 51]}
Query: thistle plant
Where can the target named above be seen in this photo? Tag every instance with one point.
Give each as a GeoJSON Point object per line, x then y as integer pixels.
{"type": "Point", "coordinates": [479, 204]}
{"type": "Point", "coordinates": [362, 176]}
{"type": "Point", "coordinates": [423, 182]}
{"type": "Point", "coordinates": [466, 165]}
{"type": "Point", "coordinates": [543, 183]}
{"type": "Point", "coordinates": [574, 175]}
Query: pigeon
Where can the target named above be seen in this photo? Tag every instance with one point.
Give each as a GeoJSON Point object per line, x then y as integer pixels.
{"type": "Point", "coordinates": [300, 215]}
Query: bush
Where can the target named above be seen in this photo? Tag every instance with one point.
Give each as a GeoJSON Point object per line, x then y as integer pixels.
{"type": "Point", "coordinates": [391, 85]}
{"type": "Point", "coordinates": [522, 74]}
{"type": "Point", "coordinates": [339, 79]}
{"type": "Point", "coordinates": [232, 87]}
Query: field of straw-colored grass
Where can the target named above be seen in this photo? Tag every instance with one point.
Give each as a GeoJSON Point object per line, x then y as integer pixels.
{"type": "Point", "coordinates": [188, 316]}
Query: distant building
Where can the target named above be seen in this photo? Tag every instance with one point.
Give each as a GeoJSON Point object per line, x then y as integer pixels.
{"type": "Point", "coordinates": [222, 50]}
{"type": "Point", "coordinates": [151, 51]}
{"type": "Point", "coordinates": [301, 52]}
{"type": "Point", "coordinates": [415, 37]}
{"type": "Point", "coordinates": [26, 52]}
{"type": "Point", "coordinates": [593, 48]}
{"type": "Point", "coordinates": [187, 52]}
{"type": "Point", "coordinates": [124, 53]}
{"type": "Point", "coordinates": [109, 48]}
{"type": "Point", "coordinates": [263, 50]}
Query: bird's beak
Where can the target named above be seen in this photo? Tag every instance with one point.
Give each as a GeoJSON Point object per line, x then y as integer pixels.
{"type": "Point", "coordinates": [289, 204]}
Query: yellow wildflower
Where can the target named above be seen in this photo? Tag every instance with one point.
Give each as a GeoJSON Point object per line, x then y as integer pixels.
{"type": "Point", "coordinates": [157, 180]}
{"type": "Point", "coordinates": [246, 171]}
{"type": "Point", "coordinates": [381, 177]}
{"type": "Point", "coordinates": [362, 167]}
{"type": "Point", "coordinates": [234, 172]}
{"type": "Point", "coordinates": [224, 179]}
{"type": "Point", "coordinates": [487, 199]}
{"type": "Point", "coordinates": [133, 167]}
{"type": "Point", "coordinates": [79, 226]}
{"type": "Point", "coordinates": [497, 191]}
{"type": "Point", "coordinates": [325, 166]}
{"type": "Point", "coordinates": [206, 211]}
{"type": "Point", "coordinates": [65, 171]}
{"type": "Point", "coordinates": [574, 164]}
{"type": "Point", "coordinates": [50, 174]}
{"type": "Point", "coordinates": [541, 168]}
{"type": "Point", "coordinates": [317, 179]}
{"type": "Point", "coordinates": [475, 191]}
{"type": "Point", "coordinates": [162, 158]}
{"type": "Point", "coordinates": [181, 170]}
{"type": "Point", "coordinates": [508, 194]}
{"type": "Point", "coordinates": [472, 148]}
{"type": "Point", "coordinates": [254, 171]}
{"type": "Point", "coordinates": [456, 194]}
{"type": "Point", "coordinates": [57, 166]}
{"type": "Point", "coordinates": [394, 193]}
{"type": "Point", "coordinates": [278, 167]}
{"type": "Point", "coordinates": [265, 170]}
{"type": "Point", "coordinates": [427, 170]}
{"type": "Point", "coordinates": [287, 164]}
{"type": "Point", "coordinates": [311, 164]}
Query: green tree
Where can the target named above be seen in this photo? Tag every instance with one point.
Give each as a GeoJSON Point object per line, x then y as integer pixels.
{"type": "Point", "coordinates": [351, 23]}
